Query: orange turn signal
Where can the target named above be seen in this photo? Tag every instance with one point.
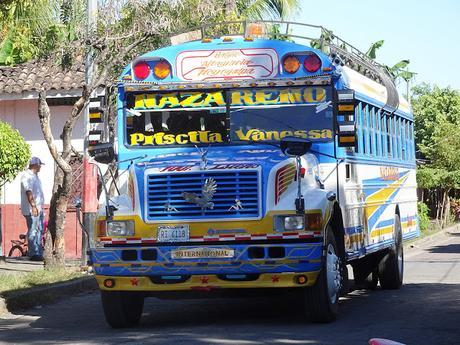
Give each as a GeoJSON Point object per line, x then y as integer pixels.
{"type": "Point", "coordinates": [314, 221]}
{"type": "Point", "coordinates": [161, 69]}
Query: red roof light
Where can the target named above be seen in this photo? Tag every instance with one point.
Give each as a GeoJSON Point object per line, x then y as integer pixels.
{"type": "Point", "coordinates": [141, 70]}
{"type": "Point", "coordinates": [312, 63]}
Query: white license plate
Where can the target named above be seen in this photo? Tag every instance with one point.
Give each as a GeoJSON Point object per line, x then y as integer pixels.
{"type": "Point", "coordinates": [173, 233]}
{"type": "Point", "coordinates": [202, 253]}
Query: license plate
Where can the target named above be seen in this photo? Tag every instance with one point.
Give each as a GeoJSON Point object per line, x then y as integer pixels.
{"type": "Point", "coordinates": [173, 233]}
{"type": "Point", "coordinates": [202, 253]}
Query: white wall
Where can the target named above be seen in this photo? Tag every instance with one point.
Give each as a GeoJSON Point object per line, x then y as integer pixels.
{"type": "Point", "coordinates": [22, 115]}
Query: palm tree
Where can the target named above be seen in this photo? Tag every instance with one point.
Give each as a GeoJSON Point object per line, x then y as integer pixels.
{"type": "Point", "coordinates": [263, 9]}
{"type": "Point", "coordinates": [30, 27]}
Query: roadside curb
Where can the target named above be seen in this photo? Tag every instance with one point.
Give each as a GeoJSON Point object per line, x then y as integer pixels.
{"type": "Point", "coordinates": [27, 298]}
{"type": "Point", "coordinates": [443, 232]}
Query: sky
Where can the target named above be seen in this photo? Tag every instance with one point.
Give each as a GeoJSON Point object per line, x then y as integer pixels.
{"type": "Point", "coordinates": [425, 32]}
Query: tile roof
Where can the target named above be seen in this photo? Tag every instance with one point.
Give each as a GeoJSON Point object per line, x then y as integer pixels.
{"type": "Point", "coordinates": [30, 76]}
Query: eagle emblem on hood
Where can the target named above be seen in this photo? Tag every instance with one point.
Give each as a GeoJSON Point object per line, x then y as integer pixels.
{"type": "Point", "coordinates": [205, 199]}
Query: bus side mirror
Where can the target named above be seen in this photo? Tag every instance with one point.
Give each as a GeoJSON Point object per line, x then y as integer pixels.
{"type": "Point", "coordinates": [295, 146]}
{"type": "Point", "coordinates": [345, 118]}
{"type": "Point", "coordinates": [102, 153]}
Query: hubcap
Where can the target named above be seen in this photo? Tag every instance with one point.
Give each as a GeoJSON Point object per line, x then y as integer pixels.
{"type": "Point", "coordinates": [334, 277]}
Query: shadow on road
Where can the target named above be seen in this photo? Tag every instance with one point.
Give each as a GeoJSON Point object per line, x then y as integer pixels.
{"type": "Point", "coordinates": [445, 249]}
{"type": "Point", "coordinates": [416, 314]}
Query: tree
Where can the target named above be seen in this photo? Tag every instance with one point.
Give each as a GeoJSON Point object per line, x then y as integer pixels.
{"type": "Point", "coordinates": [437, 118]}
{"type": "Point", "coordinates": [14, 153]}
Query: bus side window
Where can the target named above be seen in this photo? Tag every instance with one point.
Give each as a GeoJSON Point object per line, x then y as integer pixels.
{"type": "Point", "coordinates": [366, 125]}
{"type": "Point", "coordinates": [359, 119]}
{"type": "Point", "coordinates": [389, 136]}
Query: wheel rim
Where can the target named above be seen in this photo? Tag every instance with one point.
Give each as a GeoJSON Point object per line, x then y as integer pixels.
{"type": "Point", "coordinates": [333, 274]}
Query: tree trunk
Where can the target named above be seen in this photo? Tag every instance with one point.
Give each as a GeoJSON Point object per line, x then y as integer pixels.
{"type": "Point", "coordinates": [447, 208]}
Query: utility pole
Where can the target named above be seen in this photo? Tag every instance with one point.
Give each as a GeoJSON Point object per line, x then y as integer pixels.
{"type": "Point", "coordinates": [89, 205]}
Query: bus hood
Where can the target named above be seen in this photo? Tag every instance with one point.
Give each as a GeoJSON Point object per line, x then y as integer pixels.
{"type": "Point", "coordinates": [222, 158]}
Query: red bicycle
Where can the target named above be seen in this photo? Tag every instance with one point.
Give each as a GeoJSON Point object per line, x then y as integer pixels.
{"type": "Point", "coordinates": [20, 247]}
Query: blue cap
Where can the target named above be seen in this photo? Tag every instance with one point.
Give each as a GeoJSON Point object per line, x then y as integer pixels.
{"type": "Point", "coordinates": [36, 161]}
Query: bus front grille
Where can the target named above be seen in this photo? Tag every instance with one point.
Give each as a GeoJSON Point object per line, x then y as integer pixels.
{"type": "Point", "coordinates": [236, 196]}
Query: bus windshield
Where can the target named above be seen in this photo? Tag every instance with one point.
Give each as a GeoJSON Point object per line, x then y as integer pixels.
{"type": "Point", "coordinates": [228, 116]}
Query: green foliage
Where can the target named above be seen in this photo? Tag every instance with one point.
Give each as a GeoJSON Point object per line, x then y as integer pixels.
{"type": "Point", "coordinates": [35, 28]}
{"type": "Point", "coordinates": [423, 218]}
{"type": "Point", "coordinates": [372, 51]}
{"type": "Point", "coordinates": [14, 153]}
{"type": "Point", "coordinates": [398, 70]}
{"type": "Point", "coordinates": [275, 34]}
{"type": "Point", "coordinates": [263, 9]}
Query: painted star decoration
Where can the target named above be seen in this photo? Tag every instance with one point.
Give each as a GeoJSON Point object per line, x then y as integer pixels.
{"type": "Point", "coordinates": [204, 280]}
{"type": "Point", "coordinates": [275, 279]}
{"type": "Point", "coordinates": [134, 282]}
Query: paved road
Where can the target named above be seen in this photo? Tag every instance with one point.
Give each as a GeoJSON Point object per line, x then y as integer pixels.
{"type": "Point", "coordinates": [425, 311]}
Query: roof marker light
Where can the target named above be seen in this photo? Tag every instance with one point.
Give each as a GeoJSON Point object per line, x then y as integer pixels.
{"type": "Point", "coordinates": [312, 63]}
{"type": "Point", "coordinates": [161, 69]}
{"type": "Point", "coordinates": [141, 70]}
{"type": "Point", "coordinates": [291, 64]}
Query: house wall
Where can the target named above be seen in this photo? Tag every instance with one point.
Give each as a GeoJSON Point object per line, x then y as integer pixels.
{"type": "Point", "coordinates": [22, 115]}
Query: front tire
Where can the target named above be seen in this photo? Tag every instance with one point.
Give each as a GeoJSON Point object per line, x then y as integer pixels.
{"type": "Point", "coordinates": [122, 309]}
{"type": "Point", "coordinates": [16, 251]}
{"type": "Point", "coordinates": [322, 299]}
{"type": "Point", "coordinates": [391, 267]}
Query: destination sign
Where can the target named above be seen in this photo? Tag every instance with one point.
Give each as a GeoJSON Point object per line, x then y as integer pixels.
{"type": "Point", "coordinates": [259, 97]}
{"type": "Point", "coordinates": [228, 64]}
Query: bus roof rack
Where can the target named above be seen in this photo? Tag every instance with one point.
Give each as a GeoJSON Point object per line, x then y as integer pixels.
{"type": "Point", "coordinates": [315, 36]}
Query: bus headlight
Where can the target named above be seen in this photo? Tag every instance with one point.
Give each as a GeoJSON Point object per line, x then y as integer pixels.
{"type": "Point", "coordinates": [290, 223]}
{"type": "Point", "coordinates": [120, 228]}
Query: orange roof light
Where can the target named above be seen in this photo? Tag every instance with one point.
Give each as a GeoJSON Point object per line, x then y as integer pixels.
{"type": "Point", "coordinates": [255, 30]}
{"type": "Point", "coordinates": [291, 64]}
{"type": "Point", "coordinates": [162, 69]}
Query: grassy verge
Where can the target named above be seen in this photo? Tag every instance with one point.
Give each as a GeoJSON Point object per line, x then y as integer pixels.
{"type": "Point", "coordinates": [11, 282]}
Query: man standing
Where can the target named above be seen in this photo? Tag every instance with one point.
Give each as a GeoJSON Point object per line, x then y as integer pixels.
{"type": "Point", "coordinates": [32, 200]}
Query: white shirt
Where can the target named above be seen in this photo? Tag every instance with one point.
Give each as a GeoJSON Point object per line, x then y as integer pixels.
{"type": "Point", "coordinates": [31, 182]}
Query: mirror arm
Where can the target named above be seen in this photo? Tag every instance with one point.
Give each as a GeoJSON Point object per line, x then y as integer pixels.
{"type": "Point", "coordinates": [108, 208]}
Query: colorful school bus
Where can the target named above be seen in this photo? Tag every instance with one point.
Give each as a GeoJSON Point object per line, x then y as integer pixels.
{"type": "Point", "coordinates": [247, 162]}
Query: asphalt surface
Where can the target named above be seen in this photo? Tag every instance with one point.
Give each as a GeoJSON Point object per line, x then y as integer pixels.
{"type": "Point", "coordinates": [425, 311]}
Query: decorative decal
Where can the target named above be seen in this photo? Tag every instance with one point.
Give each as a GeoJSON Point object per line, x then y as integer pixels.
{"type": "Point", "coordinates": [204, 280]}
{"type": "Point", "coordinates": [131, 193]}
{"type": "Point", "coordinates": [237, 206]}
{"type": "Point", "coordinates": [134, 282]}
{"type": "Point", "coordinates": [161, 138]}
{"type": "Point", "coordinates": [207, 192]}
{"type": "Point", "coordinates": [169, 208]}
{"type": "Point", "coordinates": [248, 97]}
{"type": "Point", "coordinates": [231, 64]}
{"type": "Point", "coordinates": [261, 135]}
{"type": "Point", "coordinates": [275, 279]}
{"type": "Point", "coordinates": [284, 177]}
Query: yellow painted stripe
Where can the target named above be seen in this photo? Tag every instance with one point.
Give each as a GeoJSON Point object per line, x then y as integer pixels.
{"type": "Point", "coordinates": [265, 280]}
{"type": "Point", "coordinates": [95, 115]}
{"type": "Point", "coordinates": [377, 199]}
{"type": "Point", "coordinates": [263, 226]}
